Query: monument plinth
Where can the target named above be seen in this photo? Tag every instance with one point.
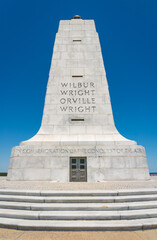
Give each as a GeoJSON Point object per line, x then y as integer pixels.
{"type": "Point", "coordinates": [77, 140]}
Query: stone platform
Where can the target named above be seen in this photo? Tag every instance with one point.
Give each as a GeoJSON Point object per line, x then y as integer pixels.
{"type": "Point", "coordinates": [108, 206]}
{"type": "Point", "coordinates": [50, 185]}
{"type": "Point", "coordinates": [79, 210]}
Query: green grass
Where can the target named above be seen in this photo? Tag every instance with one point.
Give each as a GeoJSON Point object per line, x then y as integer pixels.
{"type": "Point", "coordinates": [3, 174]}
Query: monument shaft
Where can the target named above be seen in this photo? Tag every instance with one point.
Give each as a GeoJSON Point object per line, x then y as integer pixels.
{"type": "Point", "coordinates": [77, 140]}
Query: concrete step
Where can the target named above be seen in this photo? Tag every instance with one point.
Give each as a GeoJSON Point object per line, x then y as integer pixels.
{"type": "Point", "coordinates": [78, 215]}
{"type": "Point", "coordinates": [83, 199]}
{"type": "Point", "coordinates": [56, 193]}
{"type": "Point", "coordinates": [125, 225]}
{"type": "Point", "coordinates": [80, 210]}
{"type": "Point", "coordinates": [78, 206]}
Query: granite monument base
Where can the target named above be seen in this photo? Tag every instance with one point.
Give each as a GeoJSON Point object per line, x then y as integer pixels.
{"type": "Point", "coordinates": [104, 162]}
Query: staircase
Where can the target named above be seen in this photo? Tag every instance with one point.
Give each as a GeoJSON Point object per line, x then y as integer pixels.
{"type": "Point", "coordinates": [79, 210]}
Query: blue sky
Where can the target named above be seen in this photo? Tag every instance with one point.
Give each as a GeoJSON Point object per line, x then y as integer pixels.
{"type": "Point", "coordinates": [128, 37]}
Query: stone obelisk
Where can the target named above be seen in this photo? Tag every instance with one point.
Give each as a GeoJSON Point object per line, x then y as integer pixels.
{"type": "Point", "coordinates": [77, 140]}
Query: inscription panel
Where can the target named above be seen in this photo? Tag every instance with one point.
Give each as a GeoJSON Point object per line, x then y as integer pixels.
{"type": "Point", "coordinates": [84, 151]}
{"type": "Point", "coordinates": [77, 97]}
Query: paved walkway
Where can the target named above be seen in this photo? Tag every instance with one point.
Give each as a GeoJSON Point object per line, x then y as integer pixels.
{"type": "Point", "coordinates": [49, 185]}
{"type": "Point", "coordinates": [9, 234]}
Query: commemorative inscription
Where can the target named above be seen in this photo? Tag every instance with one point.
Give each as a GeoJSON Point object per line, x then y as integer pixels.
{"type": "Point", "coordinates": [94, 150]}
{"type": "Point", "coordinates": [77, 97]}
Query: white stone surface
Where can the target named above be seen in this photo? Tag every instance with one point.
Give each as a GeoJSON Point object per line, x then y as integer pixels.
{"type": "Point", "coordinates": [81, 215]}
{"type": "Point", "coordinates": [69, 210]}
{"type": "Point", "coordinates": [79, 206]}
{"type": "Point", "coordinates": [77, 88]}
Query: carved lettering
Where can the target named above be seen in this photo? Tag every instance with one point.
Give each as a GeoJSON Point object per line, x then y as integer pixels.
{"type": "Point", "coordinates": [64, 92]}
{"type": "Point", "coordinates": [77, 93]}
{"type": "Point", "coordinates": [62, 100]}
{"type": "Point", "coordinates": [99, 151]}
{"type": "Point", "coordinates": [64, 84]}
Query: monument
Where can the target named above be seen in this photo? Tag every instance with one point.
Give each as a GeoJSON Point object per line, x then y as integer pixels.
{"type": "Point", "coordinates": [78, 140]}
